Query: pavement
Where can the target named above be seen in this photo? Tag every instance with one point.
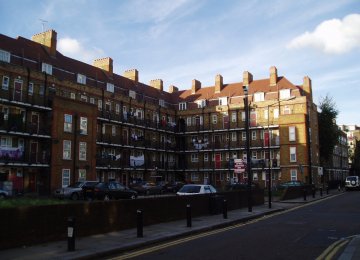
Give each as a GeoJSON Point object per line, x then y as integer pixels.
{"type": "Point", "coordinates": [105, 245]}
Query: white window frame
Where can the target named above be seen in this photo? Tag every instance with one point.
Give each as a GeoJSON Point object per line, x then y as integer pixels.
{"type": "Point", "coordinates": [113, 130]}
{"type": "Point", "coordinates": [83, 125]}
{"type": "Point", "coordinates": [284, 94]}
{"type": "Point", "coordinates": [82, 175]}
{"type": "Point", "coordinates": [253, 135]}
{"type": "Point", "coordinates": [214, 119]}
{"type": "Point", "coordinates": [223, 101]}
{"type": "Point", "coordinates": [47, 68]}
{"type": "Point", "coordinates": [259, 96]}
{"type": "Point", "coordinates": [110, 87]}
{"type": "Point", "coordinates": [188, 121]}
{"type": "Point", "coordinates": [92, 100]}
{"type": "Point", "coordinates": [132, 94]}
{"type": "Point", "coordinates": [201, 103]}
{"type": "Point", "coordinates": [233, 136]}
{"type": "Point", "coordinates": [81, 79]}
{"type": "Point", "coordinates": [182, 106]}
{"type": "Point", "coordinates": [243, 136]}
{"type": "Point", "coordinates": [5, 56]}
{"type": "Point", "coordinates": [243, 118]}
{"type": "Point", "coordinates": [65, 178]}
{"type": "Point", "coordinates": [117, 108]}
{"type": "Point", "coordinates": [233, 117]}
{"type": "Point", "coordinates": [5, 82]}
{"type": "Point", "coordinates": [68, 123]}
{"type": "Point", "coordinates": [206, 157]}
{"type": "Point", "coordinates": [293, 175]}
{"type": "Point", "coordinates": [31, 89]}
{"type": "Point", "coordinates": [292, 156]}
{"type": "Point", "coordinates": [82, 151]}
{"type": "Point", "coordinates": [292, 133]}
{"type": "Point", "coordinates": [100, 108]}
{"type": "Point", "coordinates": [194, 157]}
{"type": "Point", "coordinates": [67, 150]}
{"type": "Point", "coordinates": [72, 95]}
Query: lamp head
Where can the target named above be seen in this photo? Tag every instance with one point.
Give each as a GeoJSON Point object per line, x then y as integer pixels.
{"type": "Point", "coordinates": [245, 89]}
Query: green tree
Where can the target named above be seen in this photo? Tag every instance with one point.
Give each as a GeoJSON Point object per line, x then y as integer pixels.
{"type": "Point", "coordinates": [328, 130]}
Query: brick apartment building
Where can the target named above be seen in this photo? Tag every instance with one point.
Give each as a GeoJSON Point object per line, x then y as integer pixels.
{"type": "Point", "coordinates": [62, 120]}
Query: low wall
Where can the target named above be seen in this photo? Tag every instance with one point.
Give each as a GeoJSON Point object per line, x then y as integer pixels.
{"type": "Point", "coordinates": [294, 192]}
{"type": "Point", "coordinates": [24, 226]}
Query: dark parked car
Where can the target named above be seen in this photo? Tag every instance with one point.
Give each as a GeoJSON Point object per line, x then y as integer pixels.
{"type": "Point", "coordinates": [174, 186]}
{"type": "Point", "coordinates": [3, 194]}
{"type": "Point", "coordinates": [75, 191]}
{"type": "Point", "coordinates": [147, 188]}
{"type": "Point", "coordinates": [109, 190]}
{"type": "Point", "coordinates": [240, 186]}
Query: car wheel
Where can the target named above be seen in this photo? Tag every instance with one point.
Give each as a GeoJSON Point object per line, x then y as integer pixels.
{"type": "Point", "coordinates": [74, 196]}
{"type": "Point", "coordinates": [106, 197]}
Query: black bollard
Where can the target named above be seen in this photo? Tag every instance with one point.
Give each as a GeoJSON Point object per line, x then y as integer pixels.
{"type": "Point", "coordinates": [224, 208]}
{"type": "Point", "coordinates": [140, 224]}
{"type": "Point", "coordinates": [304, 194]}
{"type": "Point", "coordinates": [321, 192]}
{"type": "Point", "coordinates": [313, 192]}
{"type": "Point", "coordinates": [71, 233]}
{"type": "Point", "coordinates": [188, 215]}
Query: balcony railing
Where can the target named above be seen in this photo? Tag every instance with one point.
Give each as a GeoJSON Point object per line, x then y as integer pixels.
{"type": "Point", "coordinates": [14, 122]}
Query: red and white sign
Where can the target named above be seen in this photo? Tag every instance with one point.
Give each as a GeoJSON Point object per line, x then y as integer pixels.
{"type": "Point", "coordinates": [239, 165]}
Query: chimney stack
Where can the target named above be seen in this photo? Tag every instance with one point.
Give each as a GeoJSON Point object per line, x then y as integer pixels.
{"type": "Point", "coordinates": [104, 64]}
{"type": "Point", "coordinates": [307, 88]}
{"type": "Point", "coordinates": [132, 74]}
{"type": "Point", "coordinates": [156, 83]}
{"type": "Point", "coordinates": [48, 39]}
{"type": "Point", "coordinates": [218, 83]}
{"type": "Point", "coordinates": [273, 76]}
{"type": "Point", "coordinates": [173, 89]}
{"type": "Point", "coordinates": [196, 85]}
{"type": "Point", "coordinates": [247, 78]}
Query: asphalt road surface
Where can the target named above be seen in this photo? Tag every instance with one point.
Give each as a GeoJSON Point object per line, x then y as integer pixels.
{"type": "Point", "coordinates": [301, 233]}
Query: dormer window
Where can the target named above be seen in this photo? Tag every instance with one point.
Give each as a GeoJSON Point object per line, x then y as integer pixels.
{"type": "Point", "coordinates": [182, 106]}
{"type": "Point", "coordinates": [201, 103]}
{"type": "Point", "coordinates": [284, 93]}
{"type": "Point", "coordinates": [259, 96]}
{"type": "Point", "coordinates": [81, 79]}
{"type": "Point", "coordinates": [47, 68]}
{"type": "Point", "coordinates": [110, 87]}
{"type": "Point", "coordinates": [223, 101]}
{"type": "Point", "coordinates": [132, 94]}
{"type": "Point", "coordinates": [5, 56]}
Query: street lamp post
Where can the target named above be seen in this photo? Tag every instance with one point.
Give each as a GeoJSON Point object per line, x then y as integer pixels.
{"type": "Point", "coordinates": [269, 154]}
{"type": "Point", "coordinates": [248, 159]}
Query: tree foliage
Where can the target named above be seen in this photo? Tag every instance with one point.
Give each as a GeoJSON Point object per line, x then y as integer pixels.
{"type": "Point", "coordinates": [328, 130]}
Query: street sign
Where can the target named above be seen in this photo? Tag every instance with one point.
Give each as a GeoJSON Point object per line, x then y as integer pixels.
{"type": "Point", "coordinates": [240, 165]}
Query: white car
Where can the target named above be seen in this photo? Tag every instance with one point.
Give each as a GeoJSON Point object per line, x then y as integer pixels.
{"type": "Point", "coordinates": [194, 189]}
{"type": "Point", "coordinates": [3, 194]}
{"type": "Point", "coordinates": [352, 182]}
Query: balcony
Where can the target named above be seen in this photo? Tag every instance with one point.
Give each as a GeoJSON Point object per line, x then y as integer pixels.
{"type": "Point", "coordinates": [18, 155]}
{"type": "Point", "coordinates": [14, 123]}
{"type": "Point", "coordinates": [18, 96]}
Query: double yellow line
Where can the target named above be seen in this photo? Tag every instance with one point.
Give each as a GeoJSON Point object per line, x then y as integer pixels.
{"type": "Point", "coordinates": [334, 248]}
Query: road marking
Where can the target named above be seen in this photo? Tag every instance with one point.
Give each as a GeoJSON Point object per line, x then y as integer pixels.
{"type": "Point", "coordinates": [212, 232]}
{"type": "Point", "coordinates": [330, 252]}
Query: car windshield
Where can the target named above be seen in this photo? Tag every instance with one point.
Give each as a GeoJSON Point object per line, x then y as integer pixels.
{"type": "Point", "coordinates": [190, 189]}
{"type": "Point", "coordinates": [351, 178]}
{"type": "Point", "coordinates": [76, 185]}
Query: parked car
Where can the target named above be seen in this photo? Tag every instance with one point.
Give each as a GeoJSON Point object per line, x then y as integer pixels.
{"type": "Point", "coordinates": [75, 191]}
{"type": "Point", "coordinates": [194, 189]}
{"type": "Point", "coordinates": [109, 190]}
{"type": "Point", "coordinates": [174, 186]}
{"type": "Point", "coordinates": [3, 194]}
{"type": "Point", "coordinates": [285, 185]}
{"type": "Point", "coordinates": [237, 186]}
{"type": "Point", "coordinates": [352, 182]}
{"type": "Point", "coordinates": [147, 188]}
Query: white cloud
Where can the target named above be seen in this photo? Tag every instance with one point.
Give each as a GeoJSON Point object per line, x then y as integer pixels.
{"type": "Point", "coordinates": [332, 36]}
{"type": "Point", "coordinates": [74, 49]}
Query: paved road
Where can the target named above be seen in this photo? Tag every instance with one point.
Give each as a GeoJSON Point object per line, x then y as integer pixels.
{"type": "Point", "coordinates": [302, 233]}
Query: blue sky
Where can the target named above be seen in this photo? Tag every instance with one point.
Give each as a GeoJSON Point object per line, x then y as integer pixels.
{"type": "Point", "coordinates": [181, 40]}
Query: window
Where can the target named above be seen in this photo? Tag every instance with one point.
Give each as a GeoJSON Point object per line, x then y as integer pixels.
{"type": "Point", "coordinates": [132, 94]}
{"type": "Point", "coordinates": [223, 101]}
{"type": "Point", "coordinates": [188, 121]}
{"type": "Point", "coordinates": [201, 103]}
{"type": "Point", "coordinates": [161, 102]}
{"type": "Point", "coordinates": [266, 114]}
{"type": "Point", "coordinates": [6, 142]}
{"type": "Point", "coordinates": [47, 68]}
{"type": "Point", "coordinates": [287, 110]}
{"type": "Point", "coordinates": [293, 174]}
{"type": "Point", "coordinates": [82, 151]}
{"type": "Point", "coordinates": [82, 175]}
{"type": "Point", "coordinates": [244, 155]}
{"type": "Point", "coordinates": [83, 125]}
{"type": "Point", "coordinates": [41, 90]}
{"type": "Point", "coordinates": [182, 106]}
{"type": "Point", "coordinates": [243, 136]}
{"type": "Point", "coordinates": [65, 177]}
{"type": "Point", "coordinates": [292, 133]}
{"type": "Point", "coordinates": [276, 113]}
{"type": "Point", "coordinates": [259, 96]}
{"type": "Point", "coordinates": [227, 156]}
{"type": "Point", "coordinates": [66, 150]}
{"type": "Point", "coordinates": [117, 108]}
{"type": "Point", "coordinates": [5, 83]}
{"type": "Point", "coordinates": [233, 136]}
{"type": "Point", "coordinates": [253, 135]}
{"type": "Point", "coordinates": [254, 155]}
{"type": "Point", "coordinates": [242, 116]}
{"type": "Point", "coordinates": [67, 123]}
{"type": "Point", "coordinates": [194, 176]}
{"type": "Point", "coordinates": [81, 79]}
{"type": "Point", "coordinates": [284, 93]}
{"type": "Point", "coordinates": [113, 130]}
{"type": "Point", "coordinates": [92, 100]}
{"type": "Point", "coordinates": [100, 104]}
{"type": "Point", "coordinates": [233, 117]}
{"type": "Point", "coordinates": [292, 154]}
{"type": "Point", "coordinates": [83, 98]}
{"type": "Point", "coordinates": [72, 95]}
{"type": "Point", "coordinates": [31, 89]}
{"type": "Point", "coordinates": [194, 157]}
{"type": "Point", "coordinates": [5, 56]}
{"type": "Point", "coordinates": [214, 119]}
{"type": "Point", "coordinates": [206, 157]}
{"type": "Point", "coordinates": [110, 87]}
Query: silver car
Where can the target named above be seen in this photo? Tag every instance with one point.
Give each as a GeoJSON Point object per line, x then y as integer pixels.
{"type": "Point", "coordinates": [73, 192]}
{"type": "Point", "coordinates": [194, 189]}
